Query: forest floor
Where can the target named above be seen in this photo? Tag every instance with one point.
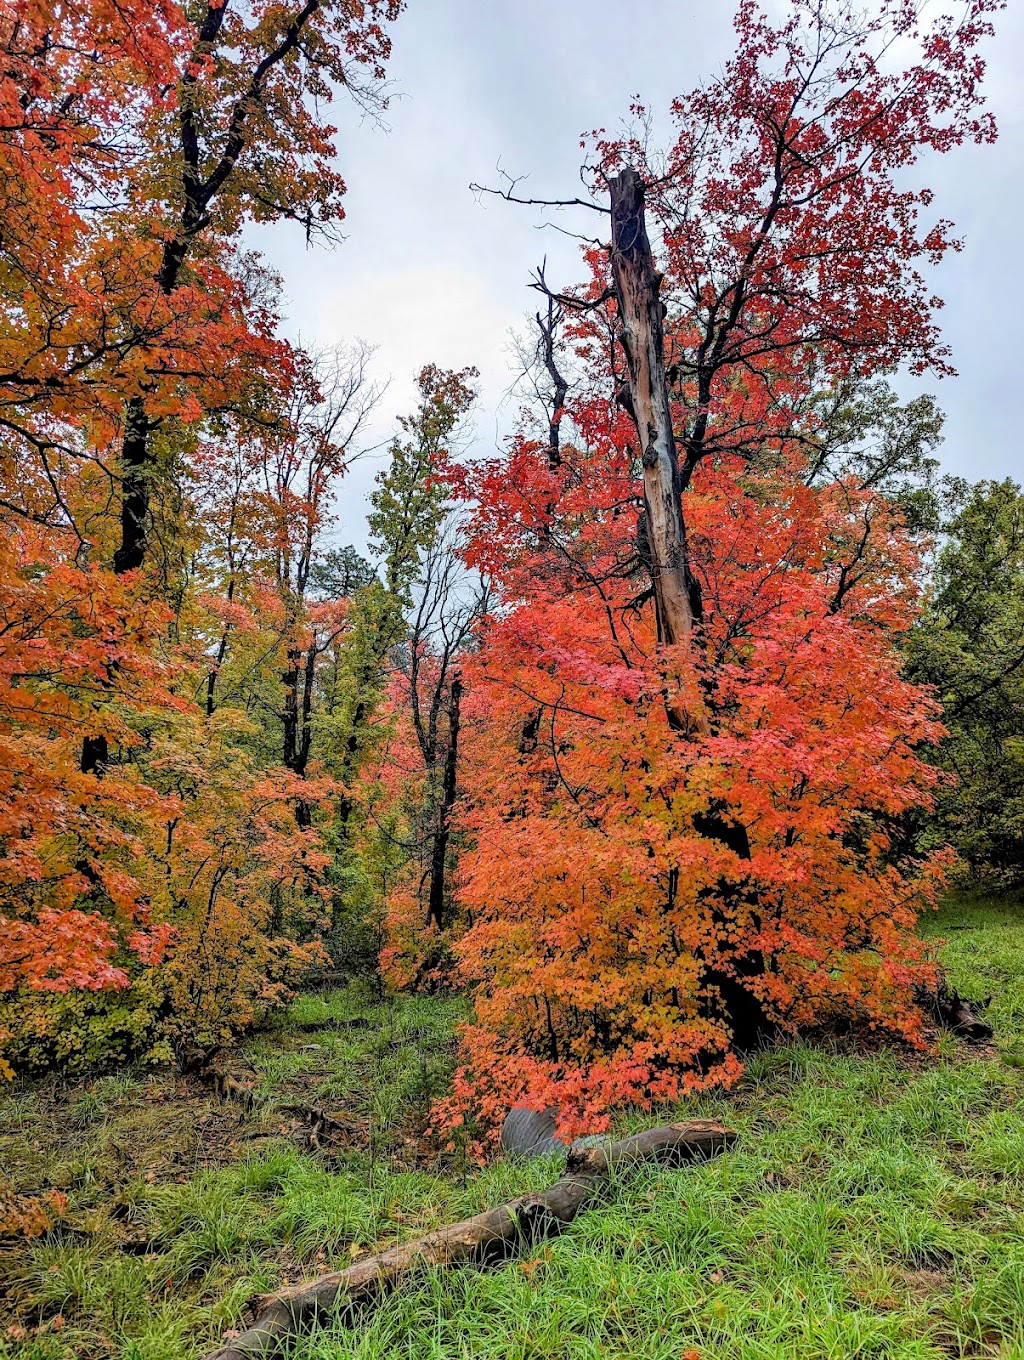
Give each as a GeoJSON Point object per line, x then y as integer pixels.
{"type": "Point", "coordinates": [873, 1207]}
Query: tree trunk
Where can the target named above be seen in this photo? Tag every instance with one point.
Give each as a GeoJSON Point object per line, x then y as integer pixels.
{"type": "Point", "coordinates": [492, 1235]}
{"type": "Point", "coordinates": [136, 447]}
{"type": "Point", "coordinates": [135, 461]}
{"type": "Point", "coordinates": [663, 534]}
{"type": "Point", "coordinates": [559, 385]}
{"type": "Point", "coordinates": [449, 789]}
{"type": "Point", "coordinates": [641, 316]}
{"type": "Point", "coordinates": [738, 1004]}
{"type": "Point", "coordinates": [298, 681]}
{"type": "Point", "coordinates": [290, 716]}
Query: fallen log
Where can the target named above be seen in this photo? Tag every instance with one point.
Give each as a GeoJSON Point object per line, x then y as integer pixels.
{"type": "Point", "coordinates": [954, 1012]}
{"type": "Point", "coordinates": [492, 1235]}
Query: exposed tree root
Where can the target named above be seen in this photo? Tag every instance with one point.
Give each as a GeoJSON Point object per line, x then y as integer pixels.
{"type": "Point", "coordinates": [492, 1235]}
{"type": "Point", "coordinates": [230, 1087]}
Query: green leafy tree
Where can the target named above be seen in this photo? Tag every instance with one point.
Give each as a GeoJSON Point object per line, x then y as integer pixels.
{"type": "Point", "coordinates": [970, 646]}
{"type": "Point", "coordinates": [409, 509]}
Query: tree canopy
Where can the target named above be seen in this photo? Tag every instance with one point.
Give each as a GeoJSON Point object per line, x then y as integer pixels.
{"type": "Point", "coordinates": [655, 730]}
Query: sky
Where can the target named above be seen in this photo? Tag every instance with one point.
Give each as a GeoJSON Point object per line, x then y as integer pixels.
{"type": "Point", "coordinates": [431, 272]}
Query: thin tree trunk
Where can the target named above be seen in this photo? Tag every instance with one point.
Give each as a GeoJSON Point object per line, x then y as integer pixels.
{"type": "Point", "coordinates": [222, 648]}
{"type": "Point", "coordinates": [211, 678]}
{"type": "Point", "coordinates": [298, 681]}
{"type": "Point", "coordinates": [306, 714]}
{"type": "Point", "coordinates": [350, 761]}
{"type": "Point", "coordinates": [559, 385]}
{"type": "Point", "coordinates": [290, 716]}
{"type": "Point", "coordinates": [449, 790]}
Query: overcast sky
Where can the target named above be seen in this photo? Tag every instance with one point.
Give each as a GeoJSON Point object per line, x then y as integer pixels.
{"type": "Point", "coordinates": [429, 273]}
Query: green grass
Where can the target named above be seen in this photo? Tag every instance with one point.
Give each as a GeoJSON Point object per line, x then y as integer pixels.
{"type": "Point", "coordinates": [874, 1206]}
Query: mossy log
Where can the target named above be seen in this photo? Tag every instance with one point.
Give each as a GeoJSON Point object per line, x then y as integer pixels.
{"type": "Point", "coordinates": [493, 1235]}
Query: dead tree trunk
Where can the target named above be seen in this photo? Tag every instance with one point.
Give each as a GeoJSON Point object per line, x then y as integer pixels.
{"type": "Point", "coordinates": [641, 317]}
{"type": "Point", "coordinates": [677, 597]}
{"type": "Point", "coordinates": [492, 1235]}
{"type": "Point", "coordinates": [559, 385]}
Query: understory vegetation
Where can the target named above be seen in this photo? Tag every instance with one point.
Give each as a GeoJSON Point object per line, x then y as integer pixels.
{"type": "Point", "coordinates": [874, 1205]}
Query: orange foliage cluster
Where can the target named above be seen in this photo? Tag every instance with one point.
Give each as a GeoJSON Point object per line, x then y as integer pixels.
{"type": "Point", "coordinates": [146, 835]}
{"type": "Point", "coordinates": [599, 902]}
{"type": "Point", "coordinates": [29, 1215]}
{"type": "Point", "coordinates": [642, 901]}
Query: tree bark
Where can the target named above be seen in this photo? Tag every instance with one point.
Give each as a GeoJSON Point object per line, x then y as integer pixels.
{"type": "Point", "coordinates": [449, 790]}
{"type": "Point", "coordinates": [737, 1001]}
{"type": "Point", "coordinates": [641, 317]}
{"type": "Point", "coordinates": [492, 1235]}
{"type": "Point", "coordinates": [136, 460]}
{"type": "Point", "coordinates": [559, 385]}
{"type": "Point", "coordinates": [298, 682]}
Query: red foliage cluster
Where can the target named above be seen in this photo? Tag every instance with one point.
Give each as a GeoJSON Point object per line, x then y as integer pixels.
{"type": "Point", "coordinates": [642, 899]}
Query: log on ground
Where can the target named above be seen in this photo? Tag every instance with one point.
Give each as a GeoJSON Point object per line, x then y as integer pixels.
{"type": "Point", "coordinates": [493, 1235]}
{"type": "Point", "coordinates": [951, 1011]}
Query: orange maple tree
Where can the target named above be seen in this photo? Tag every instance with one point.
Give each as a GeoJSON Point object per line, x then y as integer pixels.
{"type": "Point", "coordinates": [686, 788]}
{"type": "Point", "coordinates": [136, 141]}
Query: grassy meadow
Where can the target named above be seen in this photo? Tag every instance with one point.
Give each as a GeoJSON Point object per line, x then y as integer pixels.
{"type": "Point", "coordinates": [874, 1206]}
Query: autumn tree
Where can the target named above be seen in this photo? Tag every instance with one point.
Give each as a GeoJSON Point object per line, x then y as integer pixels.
{"type": "Point", "coordinates": [407, 512]}
{"type": "Point", "coordinates": [420, 769]}
{"type": "Point", "coordinates": [398, 716]}
{"type": "Point", "coordinates": [697, 843]}
{"type": "Point", "coordinates": [245, 144]}
{"type": "Point", "coordinates": [136, 143]}
{"type": "Point", "coordinates": [267, 499]}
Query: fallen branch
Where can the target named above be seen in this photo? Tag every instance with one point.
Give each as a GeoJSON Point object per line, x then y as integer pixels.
{"type": "Point", "coordinates": [318, 1125]}
{"type": "Point", "coordinates": [492, 1235]}
{"type": "Point", "coordinates": [954, 1012]}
